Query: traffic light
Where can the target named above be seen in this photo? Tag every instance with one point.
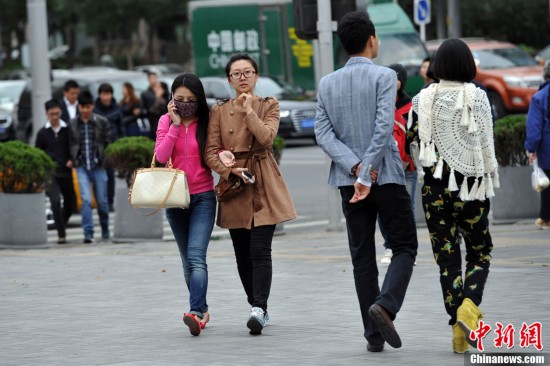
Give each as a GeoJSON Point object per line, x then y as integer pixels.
{"type": "Point", "coordinates": [305, 15]}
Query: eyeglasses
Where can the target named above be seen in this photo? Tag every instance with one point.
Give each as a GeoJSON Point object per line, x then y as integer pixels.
{"type": "Point", "coordinates": [236, 75]}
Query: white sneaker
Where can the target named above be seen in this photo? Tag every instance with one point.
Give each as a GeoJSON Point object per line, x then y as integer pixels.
{"type": "Point", "coordinates": [386, 259]}
{"type": "Point", "coordinates": [256, 320]}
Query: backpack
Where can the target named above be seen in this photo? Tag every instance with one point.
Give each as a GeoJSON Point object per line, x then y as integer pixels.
{"type": "Point", "coordinates": [400, 136]}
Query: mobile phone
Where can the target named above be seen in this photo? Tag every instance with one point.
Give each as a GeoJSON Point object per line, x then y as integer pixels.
{"type": "Point", "coordinates": [249, 177]}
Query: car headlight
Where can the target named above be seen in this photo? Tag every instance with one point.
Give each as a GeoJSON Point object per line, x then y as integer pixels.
{"type": "Point", "coordinates": [284, 113]}
{"type": "Point", "coordinates": [516, 82]}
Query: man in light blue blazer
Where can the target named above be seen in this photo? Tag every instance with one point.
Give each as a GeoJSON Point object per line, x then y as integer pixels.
{"type": "Point", "coordinates": [354, 126]}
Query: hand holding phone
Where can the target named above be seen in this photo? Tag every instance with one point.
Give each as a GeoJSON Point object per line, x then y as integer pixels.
{"type": "Point", "coordinates": [248, 176]}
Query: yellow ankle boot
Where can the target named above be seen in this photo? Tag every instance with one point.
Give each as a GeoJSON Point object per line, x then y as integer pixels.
{"type": "Point", "coordinates": [459, 340]}
{"type": "Point", "coordinates": [468, 315]}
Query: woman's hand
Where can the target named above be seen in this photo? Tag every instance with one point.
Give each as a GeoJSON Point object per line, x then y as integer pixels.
{"type": "Point", "coordinates": [227, 158]}
{"type": "Point", "coordinates": [246, 100]}
{"type": "Point", "coordinates": [238, 173]}
{"type": "Point", "coordinates": [174, 116]}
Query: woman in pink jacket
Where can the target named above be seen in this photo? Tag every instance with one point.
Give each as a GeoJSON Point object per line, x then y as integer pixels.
{"type": "Point", "coordinates": [181, 135]}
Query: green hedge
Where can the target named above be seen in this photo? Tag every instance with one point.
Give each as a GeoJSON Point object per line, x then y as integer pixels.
{"type": "Point", "coordinates": [509, 135]}
{"type": "Point", "coordinates": [23, 168]}
{"type": "Point", "coordinates": [130, 153]}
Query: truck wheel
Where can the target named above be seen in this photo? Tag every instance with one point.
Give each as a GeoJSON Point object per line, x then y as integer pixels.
{"type": "Point", "coordinates": [497, 106]}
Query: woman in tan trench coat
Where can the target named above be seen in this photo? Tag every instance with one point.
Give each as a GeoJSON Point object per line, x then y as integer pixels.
{"type": "Point", "coordinates": [240, 138]}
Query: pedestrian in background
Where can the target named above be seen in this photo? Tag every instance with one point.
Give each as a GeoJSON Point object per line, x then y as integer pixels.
{"type": "Point", "coordinates": [54, 139]}
{"type": "Point", "coordinates": [537, 140]}
{"type": "Point", "coordinates": [69, 102]}
{"type": "Point", "coordinates": [154, 100]}
{"type": "Point", "coordinates": [90, 135]}
{"type": "Point", "coordinates": [453, 126]}
{"type": "Point", "coordinates": [403, 105]}
{"type": "Point", "coordinates": [424, 71]}
{"type": "Point", "coordinates": [107, 106]}
{"type": "Point", "coordinates": [131, 110]}
{"type": "Point", "coordinates": [353, 126]}
{"type": "Point", "coordinates": [240, 138]}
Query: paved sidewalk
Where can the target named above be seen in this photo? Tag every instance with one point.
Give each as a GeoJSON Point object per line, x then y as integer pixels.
{"type": "Point", "coordinates": [121, 304]}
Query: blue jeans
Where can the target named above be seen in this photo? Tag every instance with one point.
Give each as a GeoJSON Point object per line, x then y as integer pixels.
{"type": "Point", "coordinates": [98, 177]}
{"type": "Point", "coordinates": [192, 229]}
{"type": "Point", "coordinates": [410, 184]}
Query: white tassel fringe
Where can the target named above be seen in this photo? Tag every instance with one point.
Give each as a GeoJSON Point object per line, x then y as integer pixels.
{"type": "Point", "coordinates": [489, 187]}
{"type": "Point", "coordinates": [463, 194]}
{"type": "Point", "coordinates": [473, 193]}
{"type": "Point", "coordinates": [481, 190]}
{"type": "Point", "coordinates": [439, 168]}
{"type": "Point", "coordinates": [452, 182]}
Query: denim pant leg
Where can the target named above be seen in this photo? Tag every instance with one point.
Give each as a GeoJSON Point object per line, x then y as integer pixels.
{"type": "Point", "coordinates": [411, 179]}
{"type": "Point", "coordinates": [361, 226]}
{"type": "Point", "coordinates": [99, 176]}
{"type": "Point", "coordinates": [178, 218]}
{"type": "Point", "coordinates": [192, 229]}
{"type": "Point", "coordinates": [84, 184]}
{"type": "Point", "coordinates": [201, 223]}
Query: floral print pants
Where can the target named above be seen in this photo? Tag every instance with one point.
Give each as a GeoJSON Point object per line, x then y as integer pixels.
{"type": "Point", "coordinates": [448, 217]}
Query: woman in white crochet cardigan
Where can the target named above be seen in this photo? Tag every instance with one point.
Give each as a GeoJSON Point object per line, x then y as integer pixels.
{"type": "Point", "coordinates": [458, 165]}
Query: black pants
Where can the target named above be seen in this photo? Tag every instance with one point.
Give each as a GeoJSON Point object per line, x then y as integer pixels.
{"type": "Point", "coordinates": [446, 216]}
{"type": "Point", "coordinates": [545, 200]}
{"type": "Point", "coordinates": [61, 186]}
{"type": "Point", "coordinates": [253, 254]}
{"type": "Point", "coordinates": [393, 204]}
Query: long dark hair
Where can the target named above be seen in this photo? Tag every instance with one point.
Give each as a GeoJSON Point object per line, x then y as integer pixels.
{"type": "Point", "coordinates": [193, 83]}
{"type": "Point", "coordinates": [131, 99]}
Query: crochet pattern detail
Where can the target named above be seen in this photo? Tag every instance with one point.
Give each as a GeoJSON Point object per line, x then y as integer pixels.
{"type": "Point", "coordinates": [455, 118]}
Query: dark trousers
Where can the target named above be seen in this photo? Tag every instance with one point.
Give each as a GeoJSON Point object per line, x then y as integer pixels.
{"type": "Point", "coordinates": [446, 216]}
{"type": "Point", "coordinates": [253, 254]}
{"type": "Point", "coordinates": [545, 200]}
{"type": "Point", "coordinates": [61, 186]}
{"type": "Point", "coordinates": [393, 204]}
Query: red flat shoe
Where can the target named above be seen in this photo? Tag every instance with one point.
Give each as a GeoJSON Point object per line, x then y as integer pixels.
{"type": "Point", "coordinates": [205, 319]}
{"type": "Point", "coordinates": [193, 323]}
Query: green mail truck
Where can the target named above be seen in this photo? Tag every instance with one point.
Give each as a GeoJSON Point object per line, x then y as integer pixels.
{"type": "Point", "coordinates": [265, 30]}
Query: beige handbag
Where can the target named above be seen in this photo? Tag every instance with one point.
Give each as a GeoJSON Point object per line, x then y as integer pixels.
{"type": "Point", "coordinates": [159, 187]}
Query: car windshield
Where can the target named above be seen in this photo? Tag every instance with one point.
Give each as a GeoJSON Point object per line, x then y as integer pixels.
{"type": "Point", "coordinates": [267, 87]}
{"type": "Point", "coordinates": [404, 49]}
{"type": "Point", "coordinates": [502, 58]}
{"type": "Point", "coordinates": [10, 91]}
